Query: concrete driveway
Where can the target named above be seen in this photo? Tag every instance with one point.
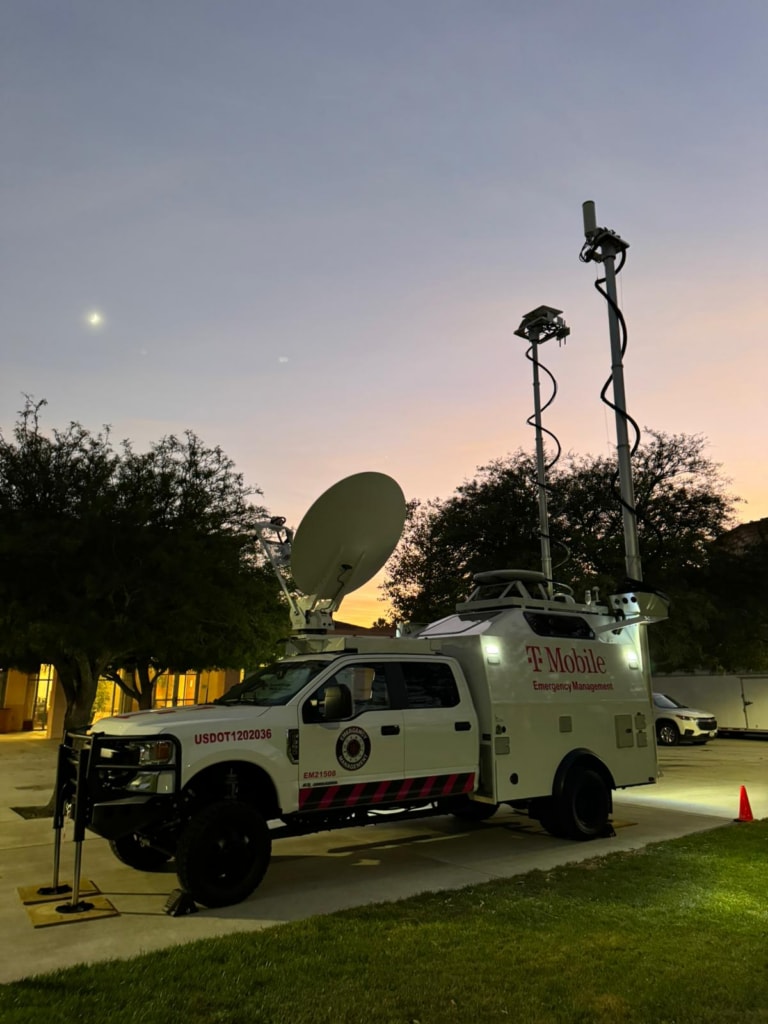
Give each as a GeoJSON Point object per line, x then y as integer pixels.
{"type": "Point", "coordinates": [331, 871]}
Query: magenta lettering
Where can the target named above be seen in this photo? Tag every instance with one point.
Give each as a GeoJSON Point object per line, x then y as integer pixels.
{"type": "Point", "coordinates": [534, 656]}
{"type": "Point", "coordinates": [573, 661]}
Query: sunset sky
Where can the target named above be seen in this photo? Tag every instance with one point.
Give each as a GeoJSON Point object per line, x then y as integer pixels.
{"type": "Point", "coordinates": [307, 229]}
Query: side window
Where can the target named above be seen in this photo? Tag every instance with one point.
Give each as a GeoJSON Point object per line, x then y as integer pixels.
{"type": "Point", "coordinates": [547, 624]}
{"type": "Point", "coordinates": [319, 709]}
{"type": "Point", "coordinates": [429, 685]}
{"type": "Point", "coordinates": [366, 685]}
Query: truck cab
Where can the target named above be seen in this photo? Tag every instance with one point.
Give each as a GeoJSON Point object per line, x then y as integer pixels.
{"type": "Point", "coordinates": [316, 741]}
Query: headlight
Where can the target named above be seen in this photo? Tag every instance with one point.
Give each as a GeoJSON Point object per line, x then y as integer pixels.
{"type": "Point", "coordinates": [152, 782]}
{"type": "Point", "coordinates": [154, 751]}
{"type": "Point", "coordinates": [686, 718]}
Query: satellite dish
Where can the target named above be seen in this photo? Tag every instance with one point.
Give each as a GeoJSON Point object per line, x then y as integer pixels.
{"type": "Point", "coordinates": [347, 535]}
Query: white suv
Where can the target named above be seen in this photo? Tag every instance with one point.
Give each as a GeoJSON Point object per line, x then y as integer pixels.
{"type": "Point", "coordinates": [676, 723]}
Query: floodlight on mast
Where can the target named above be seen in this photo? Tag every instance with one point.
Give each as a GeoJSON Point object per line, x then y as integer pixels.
{"type": "Point", "coordinates": [539, 326]}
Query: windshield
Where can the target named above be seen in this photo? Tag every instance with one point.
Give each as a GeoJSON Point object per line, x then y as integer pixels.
{"type": "Point", "coordinates": [661, 700]}
{"type": "Point", "coordinates": [273, 685]}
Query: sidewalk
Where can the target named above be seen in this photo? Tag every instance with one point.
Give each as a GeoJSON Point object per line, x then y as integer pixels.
{"type": "Point", "coordinates": [310, 875]}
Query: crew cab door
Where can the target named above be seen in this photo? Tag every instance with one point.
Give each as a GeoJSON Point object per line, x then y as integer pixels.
{"type": "Point", "coordinates": [356, 758]}
{"type": "Point", "coordinates": [441, 732]}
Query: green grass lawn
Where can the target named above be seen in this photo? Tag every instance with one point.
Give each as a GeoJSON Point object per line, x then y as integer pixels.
{"type": "Point", "coordinates": [671, 933]}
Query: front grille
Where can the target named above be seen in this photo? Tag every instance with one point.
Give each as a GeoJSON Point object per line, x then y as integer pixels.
{"type": "Point", "coordinates": [707, 724]}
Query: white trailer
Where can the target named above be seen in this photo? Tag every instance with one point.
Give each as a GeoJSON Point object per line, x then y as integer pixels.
{"type": "Point", "coordinates": [739, 703]}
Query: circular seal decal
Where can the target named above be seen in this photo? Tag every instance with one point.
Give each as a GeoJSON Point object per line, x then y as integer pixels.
{"type": "Point", "coordinates": [353, 748]}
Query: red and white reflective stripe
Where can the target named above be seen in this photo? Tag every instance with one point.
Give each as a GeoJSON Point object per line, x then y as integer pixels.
{"type": "Point", "coordinates": [354, 796]}
{"type": "Point", "coordinates": [327, 797]}
{"type": "Point", "coordinates": [428, 786]}
{"type": "Point", "coordinates": [404, 789]}
{"type": "Point", "coordinates": [381, 792]}
{"type": "Point", "coordinates": [448, 787]}
{"type": "Point", "coordinates": [391, 791]}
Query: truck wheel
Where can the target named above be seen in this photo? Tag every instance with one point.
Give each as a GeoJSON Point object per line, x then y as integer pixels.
{"type": "Point", "coordinates": [548, 816]}
{"type": "Point", "coordinates": [668, 734]}
{"type": "Point", "coordinates": [131, 851]}
{"type": "Point", "coordinates": [223, 853]}
{"type": "Point", "coordinates": [473, 810]}
{"type": "Point", "coordinates": [585, 804]}
{"type": "Point", "coordinates": [583, 808]}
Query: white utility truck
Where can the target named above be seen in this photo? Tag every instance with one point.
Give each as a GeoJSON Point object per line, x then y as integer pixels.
{"type": "Point", "coordinates": [521, 699]}
{"type": "Point", "coordinates": [525, 697]}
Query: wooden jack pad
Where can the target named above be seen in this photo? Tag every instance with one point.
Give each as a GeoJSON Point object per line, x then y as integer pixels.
{"type": "Point", "coordinates": [44, 915]}
{"type": "Point", "coordinates": [29, 894]}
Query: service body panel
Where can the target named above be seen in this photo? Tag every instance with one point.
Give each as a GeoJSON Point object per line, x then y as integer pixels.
{"type": "Point", "coordinates": [540, 696]}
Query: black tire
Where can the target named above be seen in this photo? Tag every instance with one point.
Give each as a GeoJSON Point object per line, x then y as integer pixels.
{"type": "Point", "coordinates": [137, 853]}
{"type": "Point", "coordinates": [667, 733]}
{"type": "Point", "coordinates": [223, 853]}
{"type": "Point", "coordinates": [473, 810]}
{"type": "Point", "coordinates": [582, 810]}
{"type": "Point", "coordinates": [549, 818]}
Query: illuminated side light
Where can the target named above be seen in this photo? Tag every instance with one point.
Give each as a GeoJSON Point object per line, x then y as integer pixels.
{"type": "Point", "coordinates": [493, 654]}
{"type": "Point", "coordinates": [633, 661]}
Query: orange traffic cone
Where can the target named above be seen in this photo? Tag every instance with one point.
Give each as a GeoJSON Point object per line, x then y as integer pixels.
{"type": "Point", "coordinates": [745, 811]}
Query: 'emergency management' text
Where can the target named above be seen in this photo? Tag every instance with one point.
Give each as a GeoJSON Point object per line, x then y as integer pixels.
{"type": "Point", "coordinates": [573, 686]}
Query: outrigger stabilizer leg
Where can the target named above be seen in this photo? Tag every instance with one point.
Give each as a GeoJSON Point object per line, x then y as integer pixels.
{"type": "Point", "coordinates": [57, 888]}
{"type": "Point", "coordinates": [76, 905]}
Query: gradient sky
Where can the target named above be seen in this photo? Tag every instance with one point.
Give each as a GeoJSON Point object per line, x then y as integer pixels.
{"type": "Point", "coordinates": [312, 227]}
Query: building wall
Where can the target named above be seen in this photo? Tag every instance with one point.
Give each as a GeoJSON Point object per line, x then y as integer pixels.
{"type": "Point", "coordinates": [16, 709]}
{"type": "Point", "coordinates": [23, 710]}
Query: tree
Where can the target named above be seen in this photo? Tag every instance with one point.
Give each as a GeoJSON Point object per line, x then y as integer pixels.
{"type": "Point", "coordinates": [491, 522]}
{"type": "Point", "coordinates": [201, 595]}
{"type": "Point", "coordinates": [681, 502]}
{"type": "Point", "coordinates": [54, 607]}
{"type": "Point", "coordinates": [738, 629]}
{"type": "Point", "coordinates": [486, 524]}
{"type": "Point", "coordinates": [111, 558]}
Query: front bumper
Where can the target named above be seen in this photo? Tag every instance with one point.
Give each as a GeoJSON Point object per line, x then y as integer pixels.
{"type": "Point", "coordinates": [93, 785]}
{"type": "Point", "coordinates": [695, 734]}
{"type": "Point", "coordinates": [130, 814]}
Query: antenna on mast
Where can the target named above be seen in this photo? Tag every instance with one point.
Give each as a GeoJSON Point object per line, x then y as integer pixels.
{"type": "Point", "coordinates": [539, 326]}
{"type": "Point", "coordinates": [637, 603]}
{"type": "Point", "coordinates": [603, 246]}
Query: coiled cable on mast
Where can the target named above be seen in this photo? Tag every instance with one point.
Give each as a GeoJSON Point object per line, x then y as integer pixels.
{"type": "Point", "coordinates": [586, 255]}
{"type": "Point", "coordinates": [531, 421]}
{"type": "Point", "coordinates": [538, 326]}
{"type": "Point", "coordinates": [532, 356]}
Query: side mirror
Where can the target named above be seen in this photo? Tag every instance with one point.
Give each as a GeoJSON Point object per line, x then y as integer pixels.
{"type": "Point", "coordinates": [338, 702]}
